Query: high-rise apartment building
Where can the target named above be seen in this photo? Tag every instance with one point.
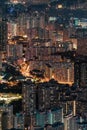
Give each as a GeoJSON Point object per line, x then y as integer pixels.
{"type": "Point", "coordinates": [80, 74]}
{"type": "Point", "coordinates": [3, 35]}
{"type": "Point", "coordinates": [6, 117]}
{"type": "Point", "coordinates": [29, 98]}
{"type": "Point", "coordinates": [82, 46]}
{"type": "Point", "coordinates": [22, 24]}
{"type": "Point", "coordinates": [19, 121]}
{"type": "Point", "coordinates": [47, 95]}
{"type": "Point", "coordinates": [29, 103]}
{"type": "Point", "coordinates": [70, 122]}
{"type": "Point", "coordinates": [12, 29]}
{"type": "Point", "coordinates": [3, 40]}
{"type": "Point", "coordinates": [50, 116]}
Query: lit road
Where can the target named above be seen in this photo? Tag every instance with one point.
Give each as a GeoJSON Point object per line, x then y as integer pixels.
{"type": "Point", "coordinates": [9, 97]}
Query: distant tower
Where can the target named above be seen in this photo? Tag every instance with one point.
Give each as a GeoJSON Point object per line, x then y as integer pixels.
{"type": "Point", "coordinates": [3, 30]}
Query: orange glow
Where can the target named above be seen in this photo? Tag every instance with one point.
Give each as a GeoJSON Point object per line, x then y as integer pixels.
{"type": "Point", "coordinates": [25, 69]}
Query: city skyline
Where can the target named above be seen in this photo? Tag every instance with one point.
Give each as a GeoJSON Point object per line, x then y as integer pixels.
{"type": "Point", "coordinates": [43, 65]}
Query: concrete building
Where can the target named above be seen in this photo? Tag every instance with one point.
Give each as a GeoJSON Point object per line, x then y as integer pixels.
{"type": "Point", "coordinates": [29, 97]}
{"type": "Point", "coordinates": [6, 117]}
{"type": "Point", "coordinates": [82, 46]}
{"type": "Point", "coordinates": [51, 117]}
{"type": "Point", "coordinates": [19, 121]}
{"type": "Point", "coordinates": [70, 122]}
{"type": "Point", "coordinates": [47, 95]}
{"type": "Point", "coordinates": [3, 40]}
{"type": "Point", "coordinates": [81, 72]}
{"type": "Point", "coordinates": [3, 35]}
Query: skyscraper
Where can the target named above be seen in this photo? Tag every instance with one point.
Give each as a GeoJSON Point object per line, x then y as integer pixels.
{"type": "Point", "coordinates": [3, 40]}
{"type": "Point", "coordinates": [3, 35]}
{"type": "Point", "coordinates": [29, 98]}
{"type": "Point", "coordinates": [3, 30]}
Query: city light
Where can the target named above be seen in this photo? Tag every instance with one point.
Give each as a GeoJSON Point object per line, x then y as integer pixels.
{"type": "Point", "coordinates": [43, 64]}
